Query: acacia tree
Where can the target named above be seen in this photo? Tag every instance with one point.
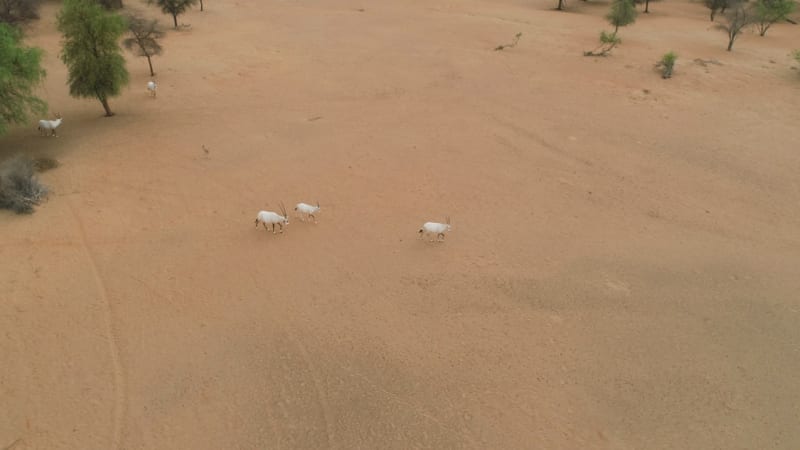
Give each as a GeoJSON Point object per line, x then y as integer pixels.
{"type": "Point", "coordinates": [738, 17]}
{"type": "Point", "coordinates": [145, 38]}
{"type": "Point", "coordinates": [769, 12]}
{"type": "Point", "coordinates": [173, 7]}
{"type": "Point", "coordinates": [622, 13]}
{"type": "Point", "coordinates": [20, 72]}
{"type": "Point", "coordinates": [91, 51]}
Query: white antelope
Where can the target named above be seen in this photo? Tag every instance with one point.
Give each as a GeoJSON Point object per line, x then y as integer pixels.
{"type": "Point", "coordinates": [49, 126]}
{"type": "Point", "coordinates": [308, 210]}
{"type": "Point", "coordinates": [273, 218]}
{"type": "Point", "coordinates": [151, 88]}
{"type": "Point", "coordinates": [439, 229]}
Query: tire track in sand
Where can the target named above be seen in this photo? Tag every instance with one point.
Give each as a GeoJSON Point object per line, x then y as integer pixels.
{"type": "Point", "coordinates": [120, 399]}
{"type": "Point", "coordinates": [323, 402]}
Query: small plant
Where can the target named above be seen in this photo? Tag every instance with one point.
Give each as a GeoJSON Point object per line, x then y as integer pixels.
{"type": "Point", "coordinates": [622, 13]}
{"type": "Point", "coordinates": [607, 43]}
{"type": "Point", "coordinates": [667, 64]}
{"type": "Point", "coordinates": [20, 190]}
{"type": "Point", "coordinates": [513, 44]}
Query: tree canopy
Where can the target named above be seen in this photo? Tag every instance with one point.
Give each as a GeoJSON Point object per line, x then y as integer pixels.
{"type": "Point", "coordinates": [173, 7]}
{"type": "Point", "coordinates": [20, 73]}
{"type": "Point", "coordinates": [91, 50]}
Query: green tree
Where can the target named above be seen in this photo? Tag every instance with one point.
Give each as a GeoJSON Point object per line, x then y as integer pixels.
{"type": "Point", "coordinates": [174, 7]}
{"type": "Point", "coordinates": [622, 13]}
{"type": "Point", "coordinates": [769, 12]}
{"type": "Point", "coordinates": [144, 41]}
{"type": "Point", "coordinates": [91, 50]}
{"type": "Point", "coordinates": [20, 72]}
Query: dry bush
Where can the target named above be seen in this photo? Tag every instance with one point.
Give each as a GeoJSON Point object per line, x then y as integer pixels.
{"type": "Point", "coordinates": [20, 190]}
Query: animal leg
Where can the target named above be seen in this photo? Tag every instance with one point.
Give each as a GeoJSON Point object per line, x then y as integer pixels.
{"type": "Point", "coordinates": [273, 228]}
{"type": "Point", "coordinates": [281, 227]}
{"type": "Point", "coordinates": [313, 217]}
{"type": "Point", "coordinates": [440, 238]}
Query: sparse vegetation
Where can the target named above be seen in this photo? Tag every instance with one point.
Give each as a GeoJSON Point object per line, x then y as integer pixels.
{"type": "Point", "coordinates": [738, 17]}
{"type": "Point", "coordinates": [173, 7]}
{"type": "Point", "coordinates": [91, 51]}
{"type": "Point", "coordinates": [20, 72]}
{"type": "Point", "coordinates": [512, 44]}
{"type": "Point", "coordinates": [768, 12]}
{"type": "Point", "coordinates": [145, 38]}
{"type": "Point", "coordinates": [607, 43]}
{"type": "Point", "coordinates": [623, 12]}
{"type": "Point", "coordinates": [20, 189]}
{"type": "Point", "coordinates": [13, 11]}
{"type": "Point", "coordinates": [667, 64]}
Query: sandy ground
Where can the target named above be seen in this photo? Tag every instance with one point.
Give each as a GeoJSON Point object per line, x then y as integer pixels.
{"type": "Point", "coordinates": [622, 271]}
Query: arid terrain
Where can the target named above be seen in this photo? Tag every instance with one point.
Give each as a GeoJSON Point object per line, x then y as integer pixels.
{"type": "Point", "coordinates": [623, 270]}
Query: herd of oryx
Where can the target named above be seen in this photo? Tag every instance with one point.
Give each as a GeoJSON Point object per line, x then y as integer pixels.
{"type": "Point", "coordinates": [306, 211]}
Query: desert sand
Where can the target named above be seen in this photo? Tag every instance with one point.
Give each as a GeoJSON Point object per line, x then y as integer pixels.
{"type": "Point", "coordinates": [623, 270]}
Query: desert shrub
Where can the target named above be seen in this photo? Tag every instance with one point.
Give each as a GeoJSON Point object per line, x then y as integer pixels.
{"type": "Point", "coordinates": [20, 189]}
{"type": "Point", "coordinates": [607, 43]}
{"type": "Point", "coordinates": [13, 11]}
{"type": "Point", "coordinates": [667, 64]}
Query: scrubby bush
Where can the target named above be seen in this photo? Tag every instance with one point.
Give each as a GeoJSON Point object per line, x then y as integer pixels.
{"type": "Point", "coordinates": [667, 64]}
{"type": "Point", "coordinates": [20, 189]}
